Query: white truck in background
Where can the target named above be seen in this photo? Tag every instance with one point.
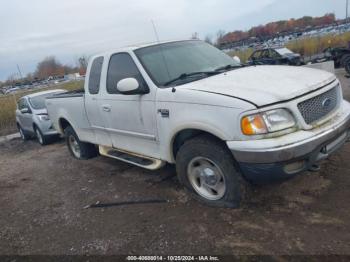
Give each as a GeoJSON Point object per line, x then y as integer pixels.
{"type": "Point", "coordinates": [222, 123]}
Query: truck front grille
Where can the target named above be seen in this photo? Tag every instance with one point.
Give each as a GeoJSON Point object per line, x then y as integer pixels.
{"type": "Point", "coordinates": [320, 106]}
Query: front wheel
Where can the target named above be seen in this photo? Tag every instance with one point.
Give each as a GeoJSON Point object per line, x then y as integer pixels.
{"type": "Point", "coordinates": [42, 139]}
{"type": "Point", "coordinates": [78, 149]}
{"type": "Point", "coordinates": [23, 134]}
{"type": "Point", "coordinates": [207, 169]}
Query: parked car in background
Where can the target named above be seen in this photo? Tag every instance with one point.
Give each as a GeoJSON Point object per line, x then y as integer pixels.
{"type": "Point", "coordinates": [275, 56]}
{"type": "Point", "coordinates": [32, 118]}
{"type": "Point", "coordinates": [340, 55]}
{"type": "Point", "coordinates": [12, 90]}
{"type": "Point", "coordinates": [221, 123]}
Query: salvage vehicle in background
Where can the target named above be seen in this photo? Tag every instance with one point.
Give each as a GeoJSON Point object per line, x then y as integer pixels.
{"type": "Point", "coordinates": [340, 55]}
{"type": "Point", "coordinates": [222, 124]}
{"type": "Point", "coordinates": [32, 119]}
{"type": "Point", "coordinates": [274, 56]}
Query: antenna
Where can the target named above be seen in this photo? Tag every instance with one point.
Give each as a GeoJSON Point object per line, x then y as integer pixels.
{"type": "Point", "coordinates": [19, 71]}
{"type": "Point", "coordinates": [155, 31]}
{"type": "Point", "coordinates": [160, 48]}
{"type": "Point", "coordinates": [347, 11]}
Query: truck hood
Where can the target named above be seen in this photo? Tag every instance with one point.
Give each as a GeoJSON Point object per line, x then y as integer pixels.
{"type": "Point", "coordinates": [264, 85]}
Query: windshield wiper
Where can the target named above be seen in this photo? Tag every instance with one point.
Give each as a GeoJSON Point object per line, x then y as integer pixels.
{"type": "Point", "coordinates": [228, 67]}
{"type": "Point", "coordinates": [189, 75]}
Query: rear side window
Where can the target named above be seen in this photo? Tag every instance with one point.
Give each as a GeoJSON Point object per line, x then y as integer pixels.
{"type": "Point", "coordinates": [121, 66]}
{"type": "Point", "coordinates": [95, 75]}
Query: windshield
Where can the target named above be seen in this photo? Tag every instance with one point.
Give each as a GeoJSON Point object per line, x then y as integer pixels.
{"type": "Point", "coordinates": [38, 102]}
{"type": "Point", "coordinates": [284, 51]}
{"type": "Point", "coordinates": [168, 61]}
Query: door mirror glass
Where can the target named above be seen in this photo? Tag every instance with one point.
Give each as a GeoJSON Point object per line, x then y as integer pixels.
{"type": "Point", "coordinates": [129, 86]}
{"type": "Point", "coordinates": [25, 110]}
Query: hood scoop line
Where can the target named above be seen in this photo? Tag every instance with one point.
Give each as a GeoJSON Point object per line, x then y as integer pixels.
{"type": "Point", "coordinates": [216, 93]}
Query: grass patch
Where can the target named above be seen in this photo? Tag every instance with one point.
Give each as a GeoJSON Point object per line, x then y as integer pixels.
{"type": "Point", "coordinates": [8, 105]}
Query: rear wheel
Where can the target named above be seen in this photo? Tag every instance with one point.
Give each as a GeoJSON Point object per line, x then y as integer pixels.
{"type": "Point", "coordinates": [345, 60]}
{"type": "Point", "coordinates": [207, 169]}
{"type": "Point", "coordinates": [79, 150]}
{"type": "Point", "coordinates": [347, 67]}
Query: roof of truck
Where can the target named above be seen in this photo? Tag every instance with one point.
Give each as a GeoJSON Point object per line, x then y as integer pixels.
{"type": "Point", "coordinates": [140, 45]}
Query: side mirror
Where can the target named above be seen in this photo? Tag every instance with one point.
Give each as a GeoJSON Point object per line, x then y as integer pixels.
{"type": "Point", "coordinates": [130, 86]}
{"type": "Point", "coordinates": [237, 59]}
{"type": "Point", "coordinates": [25, 110]}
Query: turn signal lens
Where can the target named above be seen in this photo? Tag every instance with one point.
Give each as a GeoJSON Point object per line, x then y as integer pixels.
{"type": "Point", "coordinates": [253, 125]}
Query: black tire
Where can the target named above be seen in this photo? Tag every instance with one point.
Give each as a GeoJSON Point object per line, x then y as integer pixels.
{"type": "Point", "coordinates": [344, 60]}
{"type": "Point", "coordinates": [42, 139]}
{"type": "Point", "coordinates": [215, 151]}
{"type": "Point", "coordinates": [82, 150]}
{"type": "Point", "coordinates": [347, 67]}
{"type": "Point", "coordinates": [24, 135]}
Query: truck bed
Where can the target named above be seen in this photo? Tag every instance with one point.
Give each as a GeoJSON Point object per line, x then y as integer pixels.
{"type": "Point", "coordinates": [74, 93]}
{"type": "Point", "coordinates": [70, 107]}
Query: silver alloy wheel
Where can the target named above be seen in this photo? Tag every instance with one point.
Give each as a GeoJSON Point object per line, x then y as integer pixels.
{"type": "Point", "coordinates": [39, 136]}
{"type": "Point", "coordinates": [206, 178]}
{"type": "Point", "coordinates": [74, 145]}
{"type": "Point", "coordinates": [21, 133]}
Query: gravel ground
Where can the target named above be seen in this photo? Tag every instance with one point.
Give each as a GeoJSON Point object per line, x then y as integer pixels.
{"type": "Point", "coordinates": [44, 193]}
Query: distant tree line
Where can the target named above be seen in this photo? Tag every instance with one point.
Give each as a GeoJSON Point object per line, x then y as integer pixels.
{"type": "Point", "coordinates": [275, 28]}
{"type": "Point", "coordinates": [49, 67]}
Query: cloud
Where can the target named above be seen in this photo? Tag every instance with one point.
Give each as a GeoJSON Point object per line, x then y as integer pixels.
{"type": "Point", "coordinates": [34, 29]}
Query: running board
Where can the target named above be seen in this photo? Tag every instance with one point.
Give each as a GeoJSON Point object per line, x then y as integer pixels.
{"type": "Point", "coordinates": [131, 158]}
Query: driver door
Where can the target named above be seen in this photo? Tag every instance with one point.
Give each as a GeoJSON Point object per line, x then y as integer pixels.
{"type": "Point", "coordinates": [130, 119]}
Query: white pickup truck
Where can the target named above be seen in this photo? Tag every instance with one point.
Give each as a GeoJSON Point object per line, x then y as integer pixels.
{"type": "Point", "coordinates": [222, 123]}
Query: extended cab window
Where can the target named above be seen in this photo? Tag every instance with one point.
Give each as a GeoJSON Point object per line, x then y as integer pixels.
{"type": "Point", "coordinates": [121, 66]}
{"type": "Point", "coordinates": [95, 75]}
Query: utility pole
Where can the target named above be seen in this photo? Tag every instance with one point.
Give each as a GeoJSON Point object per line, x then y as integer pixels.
{"type": "Point", "coordinates": [347, 11]}
{"type": "Point", "coordinates": [19, 71]}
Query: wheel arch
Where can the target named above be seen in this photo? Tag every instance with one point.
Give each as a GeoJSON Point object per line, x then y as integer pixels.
{"type": "Point", "coordinates": [185, 134]}
{"type": "Point", "coordinates": [63, 123]}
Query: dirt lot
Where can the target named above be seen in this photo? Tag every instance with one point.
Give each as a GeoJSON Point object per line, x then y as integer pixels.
{"type": "Point", "coordinates": [43, 192]}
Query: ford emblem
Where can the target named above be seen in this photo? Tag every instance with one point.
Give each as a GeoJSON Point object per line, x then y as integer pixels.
{"type": "Point", "coordinates": [326, 103]}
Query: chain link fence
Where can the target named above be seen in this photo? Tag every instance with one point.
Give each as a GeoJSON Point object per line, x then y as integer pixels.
{"type": "Point", "coordinates": [8, 104]}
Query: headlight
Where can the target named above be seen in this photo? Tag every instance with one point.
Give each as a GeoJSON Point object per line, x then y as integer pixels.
{"type": "Point", "coordinates": [267, 122]}
{"type": "Point", "coordinates": [43, 117]}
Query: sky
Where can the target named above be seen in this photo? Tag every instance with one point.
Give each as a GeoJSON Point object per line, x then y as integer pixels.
{"type": "Point", "coordinates": [33, 29]}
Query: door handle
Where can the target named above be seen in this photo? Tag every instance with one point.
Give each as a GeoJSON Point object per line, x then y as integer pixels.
{"type": "Point", "coordinates": [106, 108]}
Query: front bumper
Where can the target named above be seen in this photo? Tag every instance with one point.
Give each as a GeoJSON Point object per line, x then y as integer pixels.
{"type": "Point", "coordinates": [47, 128]}
{"type": "Point", "coordinates": [276, 159]}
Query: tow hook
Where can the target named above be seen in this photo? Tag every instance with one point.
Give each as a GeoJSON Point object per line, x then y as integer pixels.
{"type": "Point", "coordinates": [314, 168]}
